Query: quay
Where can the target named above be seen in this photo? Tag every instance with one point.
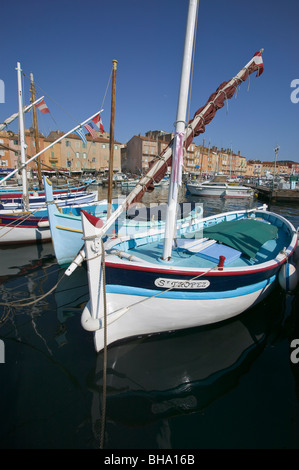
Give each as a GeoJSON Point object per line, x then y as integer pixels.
{"type": "Point", "coordinates": [275, 195]}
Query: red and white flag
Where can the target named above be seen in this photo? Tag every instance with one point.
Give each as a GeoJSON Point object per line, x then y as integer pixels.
{"type": "Point", "coordinates": [98, 122]}
{"type": "Point", "coordinates": [258, 60]}
{"type": "Point", "coordinates": [42, 107]}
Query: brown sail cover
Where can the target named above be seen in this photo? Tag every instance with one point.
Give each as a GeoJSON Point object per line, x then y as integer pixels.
{"type": "Point", "coordinates": [206, 113]}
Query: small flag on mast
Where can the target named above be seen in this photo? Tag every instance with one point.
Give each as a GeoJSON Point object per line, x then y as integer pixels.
{"type": "Point", "coordinates": [94, 125]}
{"type": "Point", "coordinates": [258, 60]}
{"type": "Point", "coordinates": [81, 135]}
{"type": "Point", "coordinates": [42, 107]}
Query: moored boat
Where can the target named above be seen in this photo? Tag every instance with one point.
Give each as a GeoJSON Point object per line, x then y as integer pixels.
{"type": "Point", "coordinates": [233, 266]}
{"type": "Point", "coordinates": [191, 276]}
{"type": "Point", "coordinates": [18, 226]}
{"type": "Point", "coordinates": [219, 187]}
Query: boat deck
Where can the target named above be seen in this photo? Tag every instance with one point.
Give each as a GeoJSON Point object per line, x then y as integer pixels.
{"type": "Point", "coordinates": [182, 257]}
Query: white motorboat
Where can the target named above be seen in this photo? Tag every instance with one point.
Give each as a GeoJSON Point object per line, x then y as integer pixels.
{"type": "Point", "coordinates": [219, 187]}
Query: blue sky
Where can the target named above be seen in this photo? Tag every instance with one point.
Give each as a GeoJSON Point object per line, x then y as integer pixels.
{"type": "Point", "coordinates": [69, 46]}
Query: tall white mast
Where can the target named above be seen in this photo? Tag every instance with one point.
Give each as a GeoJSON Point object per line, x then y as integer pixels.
{"type": "Point", "coordinates": [22, 136]}
{"type": "Point", "coordinates": [179, 128]}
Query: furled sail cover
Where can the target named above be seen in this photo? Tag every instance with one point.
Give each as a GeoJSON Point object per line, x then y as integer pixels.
{"type": "Point", "coordinates": [202, 117]}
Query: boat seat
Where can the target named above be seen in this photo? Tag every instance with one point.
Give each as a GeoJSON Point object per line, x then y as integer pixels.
{"type": "Point", "coordinates": [213, 253]}
{"type": "Point", "coordinates": [209, 249]}
{"type": "Point", "coordinates": [193, 245]}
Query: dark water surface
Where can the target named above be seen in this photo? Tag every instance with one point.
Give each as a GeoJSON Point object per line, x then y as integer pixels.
{"type": "Point", "coordinates": [230, 385]}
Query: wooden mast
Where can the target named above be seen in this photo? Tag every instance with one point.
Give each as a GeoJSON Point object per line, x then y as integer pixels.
{"type": "Point", "coordinates": [38, 162]}
{"type": "Point", "coordinates": [112, 118]}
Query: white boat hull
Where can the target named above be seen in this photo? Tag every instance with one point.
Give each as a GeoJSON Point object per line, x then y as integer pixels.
{"type": "Point", "coordinates": [156, 316]}
{"type": "Point", "coordinates": [21, 235]}
{"type": "Point", "coordinates": [220, 191]}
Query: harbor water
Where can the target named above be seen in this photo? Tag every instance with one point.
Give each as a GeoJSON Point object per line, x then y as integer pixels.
{"type": "Point", "coordinates": [227, 386]}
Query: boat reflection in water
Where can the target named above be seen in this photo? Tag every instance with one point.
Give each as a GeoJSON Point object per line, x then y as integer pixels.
{"type": "Point", "coordinates": [20, 260]}
{"type": "Point", "coordinates": [152, 379]}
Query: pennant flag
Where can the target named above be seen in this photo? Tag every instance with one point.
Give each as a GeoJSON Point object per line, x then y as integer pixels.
{"type": "Point", "coordinates": [98, 122]}
{"type": "Point", "coordinates": [81, 135]}
{"type": "Point", "coordinates": [258, 60]}
{"type": "Point", "coordinates": [42, 107]}
{"type": "Point", "coordinates": [95, 125]}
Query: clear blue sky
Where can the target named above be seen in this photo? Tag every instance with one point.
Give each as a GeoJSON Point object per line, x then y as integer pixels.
{"type": "Point", "coordinates": [69, 46]}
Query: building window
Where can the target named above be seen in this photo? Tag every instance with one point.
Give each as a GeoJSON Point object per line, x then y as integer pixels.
{"type": "Point", "coordinates": [67, 143]}
{"type": "Point", "coordinates": [77, 155]}
{"type": "Point", "coordinates": [84, 155]}
{"type": "Point", "coordinates": [15, 142]}
{"type": "Point", "coordinates": [103, 146]}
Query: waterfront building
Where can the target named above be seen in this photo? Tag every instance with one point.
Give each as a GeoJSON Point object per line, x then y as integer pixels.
{"type": "Point", "coordinates": [133, 157]}
{"type": "Point", "coordinates": [140, 150]}
{"type": "Point", "coordinates": [68, 154]}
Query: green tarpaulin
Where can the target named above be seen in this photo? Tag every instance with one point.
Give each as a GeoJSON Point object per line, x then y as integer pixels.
{"type": "Point", "coordinates": [245, 235]}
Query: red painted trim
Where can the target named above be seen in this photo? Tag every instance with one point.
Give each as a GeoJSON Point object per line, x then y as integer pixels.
{"type": "Point", "coordinates": [194, 273]}
{"type": "Point", "coordinates": [95, 221]}
{"type": "Point", "coordinates": [274, 264]}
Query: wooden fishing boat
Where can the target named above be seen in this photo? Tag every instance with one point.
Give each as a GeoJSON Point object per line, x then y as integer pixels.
{"type": "Point", "coordinates": [233, 266]}
{"type": "Point", "coordinates": [26, 227]}
{"type": "Point", "coordinates": [193, 276]}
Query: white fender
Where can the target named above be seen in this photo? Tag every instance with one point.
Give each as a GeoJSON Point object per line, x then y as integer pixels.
{"type": "Point", "coordinates": [43, 224]}
{"type": "Point", "coordinates": [288, 277]}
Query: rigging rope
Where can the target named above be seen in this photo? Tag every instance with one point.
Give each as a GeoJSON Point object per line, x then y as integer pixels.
{"type": "Point", "coordinates": [192, 67]}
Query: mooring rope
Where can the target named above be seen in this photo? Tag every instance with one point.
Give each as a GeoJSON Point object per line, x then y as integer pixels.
{"type": "Point", "coordinates": [22, 303]}
{"type": "Point", "coordinates": [104, 352]}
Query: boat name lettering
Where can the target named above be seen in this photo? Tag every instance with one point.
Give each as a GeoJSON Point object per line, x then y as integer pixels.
{"type": "Point", "coordinates": [179, 284]}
